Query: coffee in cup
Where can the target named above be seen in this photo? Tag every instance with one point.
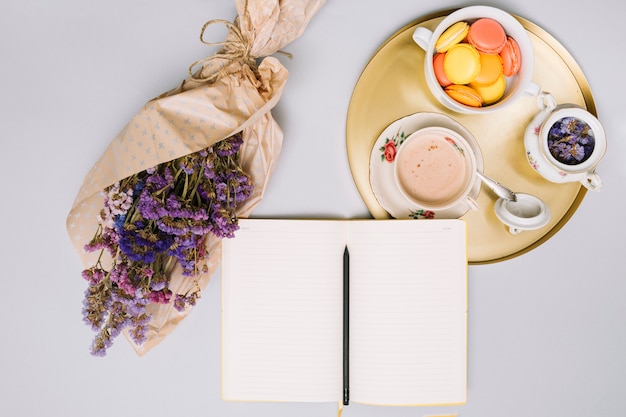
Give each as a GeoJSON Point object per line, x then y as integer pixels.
{"type": "Point", "coordinates": [434, 169]}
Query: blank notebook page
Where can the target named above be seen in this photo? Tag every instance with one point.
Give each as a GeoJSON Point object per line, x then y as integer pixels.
{"type": "Point", "coordinates": [408, 312]}
{"type": "Point", "coordinates": [282, 330]}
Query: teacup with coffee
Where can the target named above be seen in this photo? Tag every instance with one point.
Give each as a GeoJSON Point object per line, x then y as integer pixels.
{"type": "Point", "coordinates": [435, 169]}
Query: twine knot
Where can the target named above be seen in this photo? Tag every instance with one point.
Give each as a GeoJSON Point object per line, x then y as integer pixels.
{"type": "Point", "coordinates": [235, 49]}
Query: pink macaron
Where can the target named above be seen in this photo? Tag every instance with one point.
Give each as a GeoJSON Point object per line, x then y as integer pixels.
{"type": "Point", "coordinates": [487, 36]}
{"type": "Point", "coordinates": [511, 57]}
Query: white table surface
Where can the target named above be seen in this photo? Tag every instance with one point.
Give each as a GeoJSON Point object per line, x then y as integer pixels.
{"type": "Point", "coordinates": [547, 330]}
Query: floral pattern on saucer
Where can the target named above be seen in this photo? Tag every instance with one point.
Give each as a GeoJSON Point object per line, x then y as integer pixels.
{"type": "Point", "coordinates": [390, 147]}
{"type": "Point", "coordinates": [422, 214]}
{"type": "Point", "coordinates": [382, 159]}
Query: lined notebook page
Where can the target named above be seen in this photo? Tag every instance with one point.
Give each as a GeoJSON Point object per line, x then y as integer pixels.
{"type": "Point", "coordinates": [408, 312]}
{"type": "Point", "coordinates": [282, 310]}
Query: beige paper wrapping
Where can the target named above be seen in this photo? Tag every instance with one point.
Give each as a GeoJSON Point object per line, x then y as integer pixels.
{"type": "Point", "coordinates": [234, 96]}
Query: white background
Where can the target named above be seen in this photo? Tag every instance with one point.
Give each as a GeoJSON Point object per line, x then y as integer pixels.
{"type": "Point", "coordinates": [547, 330]}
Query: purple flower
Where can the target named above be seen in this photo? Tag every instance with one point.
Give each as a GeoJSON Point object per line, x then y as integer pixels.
{"type": "Point", "coordinates": [160, 180]}
{"type": "Point", "coordinates": [148, 221]}
{"type": "Point", "coordinates": [181, 302]}
{"type": "Point", "coordinates": [571, 140]}
{"type": "Point", "coordinates": [94, 275]}
{"type": "Point", "coordinates": [158, 286]}
{"type": "Point", "coordinates": [186, 168]}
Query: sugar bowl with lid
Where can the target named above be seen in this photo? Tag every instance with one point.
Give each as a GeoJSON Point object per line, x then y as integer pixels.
{"type": "Point", "coordinates": [565, 143]}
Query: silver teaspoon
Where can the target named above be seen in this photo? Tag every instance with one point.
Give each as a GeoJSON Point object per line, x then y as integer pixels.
{"type": "Point", "coordinates": [496, 187]}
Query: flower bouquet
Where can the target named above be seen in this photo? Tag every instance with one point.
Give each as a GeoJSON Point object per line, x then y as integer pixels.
{"type": "Point", "coordinates": [150, 215]}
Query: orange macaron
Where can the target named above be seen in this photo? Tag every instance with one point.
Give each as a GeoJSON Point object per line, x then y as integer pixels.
{"type": "Point", "coordinates": [511, 57]}
{"type": "Point", "coordinates": [440, 74]}
{"type": "Point", "coordinates": [464, 95]}
{"type": "Point", "coordinates": [490, 69]}
{"type": "Point", "coordinates": [487, 36]}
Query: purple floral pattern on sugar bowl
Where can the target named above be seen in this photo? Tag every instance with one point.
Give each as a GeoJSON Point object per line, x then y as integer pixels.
{"type": "Point", "coordinates": [565, 143]}
{"type": "Point", "coordinates": [533, 163]}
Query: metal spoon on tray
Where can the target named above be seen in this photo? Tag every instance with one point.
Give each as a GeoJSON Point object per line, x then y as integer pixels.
{"type": "Point", "coordinates": [496, 187]}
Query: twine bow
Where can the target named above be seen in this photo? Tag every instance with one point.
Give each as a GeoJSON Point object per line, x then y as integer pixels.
{"type": "Point", "coordinates": [237, 49]}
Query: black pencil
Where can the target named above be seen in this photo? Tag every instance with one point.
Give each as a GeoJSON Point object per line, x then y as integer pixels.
{"type": "Point", "coordinates": [346, 326]}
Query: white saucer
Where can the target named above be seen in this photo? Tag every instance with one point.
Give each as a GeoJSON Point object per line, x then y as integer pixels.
{"type": "Point", "coordinates": [382, 172]}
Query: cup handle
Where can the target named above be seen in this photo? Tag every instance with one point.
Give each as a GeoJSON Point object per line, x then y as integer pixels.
{"type": "Point", "coordinates": [532, 89]}
{"type": "Point", "coordinates": [422, 37]}
{"type": "Point", "coordinates": [546, 101]}
{"type": "Point", "coordinates": [592, 181]}
{"type": "Point", "coordinates": [471, 203]}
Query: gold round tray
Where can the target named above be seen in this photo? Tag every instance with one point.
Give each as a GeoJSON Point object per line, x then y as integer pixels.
{"type": "Point", "coordinates": [393, 86]}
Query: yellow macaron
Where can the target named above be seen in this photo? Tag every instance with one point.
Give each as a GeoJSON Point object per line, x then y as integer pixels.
{"type": "Point", "coordinates": [451, 36]}
{"type": "Point", "coordinates": [462, 63]}
{"type": "Point", "coordinates": [491, 93]}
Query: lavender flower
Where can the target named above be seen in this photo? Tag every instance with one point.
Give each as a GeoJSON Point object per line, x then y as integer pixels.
{"type": "Point", "coordinates": [149, 222]}
{"type": "Point", "coordinates": [571, 141]}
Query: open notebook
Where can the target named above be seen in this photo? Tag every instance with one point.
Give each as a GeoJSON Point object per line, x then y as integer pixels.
{"type": "Point", "coordinates": [283, 311]}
